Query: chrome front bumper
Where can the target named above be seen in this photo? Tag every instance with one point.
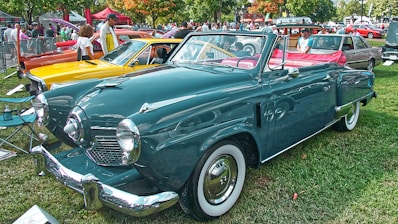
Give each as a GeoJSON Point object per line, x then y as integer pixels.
{"type": "Point", "coordinates": [97, 194]}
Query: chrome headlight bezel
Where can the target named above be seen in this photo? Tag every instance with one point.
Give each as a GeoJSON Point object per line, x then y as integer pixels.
{"type": "Point", "coordinates": [129, 140]}
{"type": "Point", "coordinates": [40, 105]}
{"type": "Point", "coordinates": [76, 127]}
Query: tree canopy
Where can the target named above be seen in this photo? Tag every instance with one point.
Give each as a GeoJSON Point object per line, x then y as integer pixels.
{"type": "Point", "coordinates": [164, 11]}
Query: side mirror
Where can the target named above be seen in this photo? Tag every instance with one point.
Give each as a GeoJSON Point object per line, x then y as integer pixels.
{"type": "Point", "coordinates": [293, 72]}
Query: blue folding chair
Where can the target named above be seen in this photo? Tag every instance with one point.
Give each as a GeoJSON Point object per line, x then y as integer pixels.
{"type": "Point", "coordinates": [17, 120]}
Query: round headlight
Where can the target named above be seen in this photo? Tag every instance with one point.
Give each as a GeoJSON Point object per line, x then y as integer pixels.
{"type": "Point", "coordinates": [41, 108]}
{"type": "Point", "coordinates": [128, 138]}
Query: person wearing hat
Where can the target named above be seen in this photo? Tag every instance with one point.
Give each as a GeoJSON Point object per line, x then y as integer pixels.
{"type": "Point", "coordinates": [108, 37]}
{"type": "Point", "coordinates": [304, 42]}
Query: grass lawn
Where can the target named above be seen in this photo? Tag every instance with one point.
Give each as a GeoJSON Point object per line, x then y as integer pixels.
{"type": "Point", "coordinates": [347, 177]}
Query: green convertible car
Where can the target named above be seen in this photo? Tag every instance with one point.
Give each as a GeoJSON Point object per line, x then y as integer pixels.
{"type": "Point", "coordinates": [185, 131]}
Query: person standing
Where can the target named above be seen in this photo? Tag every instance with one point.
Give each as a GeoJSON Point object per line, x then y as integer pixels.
{"type": "Point", "coordinates": [84, 42]}
{"type": "Point", "coordinates": [108, 37]}
{"type": "Point", "coordinates": [340, 30]}
{"type": "Point", "coordinates": [183, 31]}
{"type": "Point", "coordinates": [304, 42]}
{"type": "Point", "coordinates": [7, 33]}
{"type": "Point", "coordinates": [275, 30]}
{"type": "Point", "coordinates": [323, 30]}
{"type": "Point", "coordinates": [50, 32]}
{"type": "Point", "coordinates": [8, 40]}
{"type": "Point", "coordinates": [355, 32]}
{"type": "Point", "coordinates": [74, 35]}
{"type": "Point", "coordinates": [37, 38]}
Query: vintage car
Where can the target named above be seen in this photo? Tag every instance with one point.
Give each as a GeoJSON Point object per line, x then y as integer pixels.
{"type": "Point", "coordinates": [65, 52]}
{"type": "Point", "coordinates": [366, 30]}
{"type": "Point", "coordinates": [133, 55]}
{"type": "Point", "coordinates": [359, 53]}
{"type": "Point", "coordinates": [390, 49]}
{"type": "Point", "coordinates": [187, 130]}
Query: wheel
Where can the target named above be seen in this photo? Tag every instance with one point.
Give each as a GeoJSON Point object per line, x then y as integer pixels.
{"type": "Point", "coordinates": [349, 121]}
{"type": "Point", "coordinates": [371, 65]}
{"type": "Point", "coordinates": [370, 35]}
{"type": "Point", "coordinates": [216, 182]}
{"type": "Point", "coordinates": [250, 48]}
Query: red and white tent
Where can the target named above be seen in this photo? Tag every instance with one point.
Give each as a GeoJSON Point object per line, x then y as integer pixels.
{"type": "Point", "coordinates": [122, 19]}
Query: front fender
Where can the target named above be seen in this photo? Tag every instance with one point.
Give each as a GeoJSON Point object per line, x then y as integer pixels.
{"type": "Point", "coordinates": [172, 162]}
{"type": "Point", "coordinates": [61, 101]}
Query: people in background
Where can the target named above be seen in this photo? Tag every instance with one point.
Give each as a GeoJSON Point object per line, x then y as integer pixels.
{"type": "Point", "coordinates": [239, 50]}
{"type": "Point", "coordinates": [74, 35]}
{"type": "Point", "coordinates": [304, 42]}
{"type": "Point", "coordinates": [8, 40]}
{"type": "Point", "coordinates": [323, 30]}
{"type": "Point", "coordinates": [340, 30]}
{"type": "Point", "coordinates": [183, 31]}
{"type": "Point", "coordinates": [84, 42]}
{"type": "Point", "coordinates": [108, 37]}
{"type": "Point", "coordinates": [50, 32]}
{"type": "Point", "coordinates": [275, 30]}
{"type": "Point", "coordinates": [355, 32]}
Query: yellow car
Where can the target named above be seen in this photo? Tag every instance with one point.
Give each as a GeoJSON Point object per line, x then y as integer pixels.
{"type": "Point", "coordinates": [133, 55]}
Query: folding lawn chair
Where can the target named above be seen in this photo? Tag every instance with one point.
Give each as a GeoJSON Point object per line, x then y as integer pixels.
{"type": "Point", "coordinates": [16, 119]}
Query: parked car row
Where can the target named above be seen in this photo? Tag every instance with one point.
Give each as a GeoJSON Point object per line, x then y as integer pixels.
{"type": "Point", "coordinates": [366, 30]}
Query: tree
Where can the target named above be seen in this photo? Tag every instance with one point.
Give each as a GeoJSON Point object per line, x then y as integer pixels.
{"type": "Point", "coordinates": [210, 10]}
{"type": "Point", "coordinates": [266, 6]}
{"type": "Point", "coordinates": [27, 9]}
{"type": "Point", "coordinates": [154, 9]}
{"type": "Point", "coordinates": [317, 10]}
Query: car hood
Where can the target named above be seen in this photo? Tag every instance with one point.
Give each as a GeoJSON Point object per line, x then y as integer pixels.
{"type": "Point", "coordinates": [392, 37]}
{"type": "Point", "coordinates": [164, 86]}
{"type": "Point", "coordinates": [71, 68]}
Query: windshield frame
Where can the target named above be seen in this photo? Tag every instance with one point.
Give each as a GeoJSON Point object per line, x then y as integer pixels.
{"type": "Point", "coordinates": [221, 49]}
{"type": "Point", "coordinates": [126, 52]}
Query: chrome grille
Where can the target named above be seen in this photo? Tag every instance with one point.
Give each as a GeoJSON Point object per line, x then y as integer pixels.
{"type": "Point", "coordinates": [106, 150]}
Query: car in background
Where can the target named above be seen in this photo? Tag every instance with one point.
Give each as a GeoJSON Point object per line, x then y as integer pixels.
{"type": "Point", "coordinates": [154, 32]}
{"type": "Point", "coordinates": [366, 30]}
{"type": "Point", "coordinates": [359, 53]}
{"type": "Point", "coordinates": [390, 49]}
{"type": "Point", "coordinates": [133, 55]}
{"type": "Point", "coordinates": [66, 53]}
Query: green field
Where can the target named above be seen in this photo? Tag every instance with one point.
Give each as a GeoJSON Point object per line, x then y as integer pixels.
{"type": "Point", "coordinates": [347, 177]}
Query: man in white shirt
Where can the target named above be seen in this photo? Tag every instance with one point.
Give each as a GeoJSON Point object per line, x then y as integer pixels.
{"type": "Point", "coordinates": [304, 42]}
{"type": "Point", "coordinates": [108, 37]}
{"type": "Point", "coordinates": [14, 32]}
{"type": "Point", "coordinates": [9, 41]}
{"type": "Point", "coordinates": [7, 33]}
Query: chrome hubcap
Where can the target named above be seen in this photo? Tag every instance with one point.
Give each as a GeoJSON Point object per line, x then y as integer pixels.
{"type": "Point", "coordinates": [220, 179]}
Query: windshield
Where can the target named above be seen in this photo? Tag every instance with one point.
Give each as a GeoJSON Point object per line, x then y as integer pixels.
{"type": "Point", "coordinates": [122, 54]}
{"type": "Point", "coordinates": [326, 42]}
{"type": "Point", "coordinates": [241, 51]}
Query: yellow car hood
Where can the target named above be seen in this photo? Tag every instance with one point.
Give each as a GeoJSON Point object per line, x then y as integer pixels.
{"type": "Point", "coordinates": [78, 70]}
